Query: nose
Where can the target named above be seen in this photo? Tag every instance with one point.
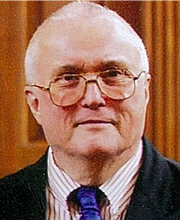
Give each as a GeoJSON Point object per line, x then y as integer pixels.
{"type": "Point", "coordinates": [93, 97]}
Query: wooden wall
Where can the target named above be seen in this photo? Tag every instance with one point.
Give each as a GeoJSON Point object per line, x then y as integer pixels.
{"type": "Point", "coordinates": [157, 22]}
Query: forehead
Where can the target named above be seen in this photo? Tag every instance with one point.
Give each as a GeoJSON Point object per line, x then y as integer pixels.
{"type": "Point", "coordinates": [88, 43]}
{"type": "Point", "coordinates": [87, 30]}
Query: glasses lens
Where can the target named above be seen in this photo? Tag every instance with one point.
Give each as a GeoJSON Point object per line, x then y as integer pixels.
{"type": "Point", "coordinates": [67, 90]}
{"type": "Point", "coordinates": [117, 84]}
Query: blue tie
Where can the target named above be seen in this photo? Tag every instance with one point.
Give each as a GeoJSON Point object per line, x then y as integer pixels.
{"type": "Point", "coordinates": [88, 203]}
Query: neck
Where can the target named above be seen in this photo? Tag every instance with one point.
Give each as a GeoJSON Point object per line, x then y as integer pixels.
{"type": "Point", "coordinates": [94, 170]}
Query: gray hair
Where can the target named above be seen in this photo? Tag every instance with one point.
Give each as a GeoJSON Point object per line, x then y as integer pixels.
{"type": "Point", "coordinates": [72, 11]}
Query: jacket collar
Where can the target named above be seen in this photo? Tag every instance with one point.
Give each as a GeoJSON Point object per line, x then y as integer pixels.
{"type": "Point", "coordinates": [36, 187]}
{"type": "Point", "coordinates": [152, 197]}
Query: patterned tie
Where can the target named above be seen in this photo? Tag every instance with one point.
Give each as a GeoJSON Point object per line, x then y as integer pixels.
{"type": "Point", "coordinates": [88, 203]}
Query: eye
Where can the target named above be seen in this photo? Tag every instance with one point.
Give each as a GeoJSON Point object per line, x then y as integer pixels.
{"type": "Point", "coordinates": [67, 80]}
{"type": "Point", "coordinates": [109, 74]}
{"type": "Point", "coordinates": [69, 77]}
{"type": "Point", "coordinates": [115, 77]}
{"type": "Point", "coordinates": [113, 73]}
{"type": "Point", "coordinates": [120, 74]}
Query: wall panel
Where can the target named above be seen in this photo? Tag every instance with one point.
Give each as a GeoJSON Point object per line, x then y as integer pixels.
{"type": "Point", "coordinates": [161, 36]}
{"type": "Point", "coordinates": [177, 78]}
{"type": "Point", "coordinates": [12, 40]}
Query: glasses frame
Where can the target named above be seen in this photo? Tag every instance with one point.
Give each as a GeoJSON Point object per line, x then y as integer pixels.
{"type": "Point", "coordinates": [93, 79]}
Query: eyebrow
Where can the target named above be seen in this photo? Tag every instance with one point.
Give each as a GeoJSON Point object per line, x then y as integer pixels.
{"type": "Point", "coordinates": [103, 66]}
{"type": "Point", "coordinates": [68, 68]}
{"type": "Point", "coordinates": [106, 65]}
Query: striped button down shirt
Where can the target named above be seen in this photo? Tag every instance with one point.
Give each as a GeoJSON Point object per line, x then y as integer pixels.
{"type": "Point", "coordinates": [118, 190]}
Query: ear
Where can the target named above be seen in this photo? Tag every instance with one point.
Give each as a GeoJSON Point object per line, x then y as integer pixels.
{"type": "Point", "coordinates": [147, 84]}
{"type": "Point", "coordinates": [33, 103]}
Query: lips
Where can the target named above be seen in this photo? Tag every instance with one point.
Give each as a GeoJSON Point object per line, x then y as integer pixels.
{"type": "Point", "coordinates": [94, 121]}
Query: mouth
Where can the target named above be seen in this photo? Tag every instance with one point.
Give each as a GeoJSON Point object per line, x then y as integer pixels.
{"type": "Point", "coordinates": [94, 122]}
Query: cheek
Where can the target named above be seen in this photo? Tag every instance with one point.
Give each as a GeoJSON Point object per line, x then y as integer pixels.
{"type": "Point", "coordinates": [131, 115]}
{"type": "Point", "coordinates": [57, 124]}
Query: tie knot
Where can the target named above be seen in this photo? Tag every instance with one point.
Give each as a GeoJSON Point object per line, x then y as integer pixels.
{"type": "Point", "coordinates": [88, 199]}
{"type": "Point", "coordinates": [87, 190]}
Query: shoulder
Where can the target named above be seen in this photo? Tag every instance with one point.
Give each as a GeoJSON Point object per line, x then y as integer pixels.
{"type": "Point", "coordinates": [175, 171]}
{"type": "Point", "coordinates": [153, 156]}
{"type": "Point", "coordinates": [26, 175]}
{"type": "Point", "coordinates": [175, 186]}
{"type": "Point", "coordinates": [155, 163]}
{"type": "Point", "coordinates": [160, 180]}
{"type": "Point", "coordinates": [24, 191]}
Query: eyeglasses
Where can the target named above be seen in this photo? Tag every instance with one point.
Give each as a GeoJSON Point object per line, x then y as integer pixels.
{"type": "Point", "coordinates": [69, 88]}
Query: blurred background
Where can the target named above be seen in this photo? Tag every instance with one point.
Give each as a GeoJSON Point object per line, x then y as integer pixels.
{"type": "Point", "coordinates": [158, 24]}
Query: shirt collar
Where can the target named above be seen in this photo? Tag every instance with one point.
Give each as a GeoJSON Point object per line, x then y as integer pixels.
{"type": "Point", "coordinates": [61, 185]}
{"type": "Point", "coordinates": [116, 187]}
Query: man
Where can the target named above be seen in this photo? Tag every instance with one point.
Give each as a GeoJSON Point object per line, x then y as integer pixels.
{"type": "Point", "coordinates": [88, 87]}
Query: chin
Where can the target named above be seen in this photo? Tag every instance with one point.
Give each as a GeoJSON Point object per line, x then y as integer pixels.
{"type": "Point", "coordinates": [97, 144]}
{"type": "Point", "coordinates": [96, 150]}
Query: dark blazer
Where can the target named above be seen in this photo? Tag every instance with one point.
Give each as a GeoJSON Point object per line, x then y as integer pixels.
{"type": "Point", "coordinates": [156, 195]}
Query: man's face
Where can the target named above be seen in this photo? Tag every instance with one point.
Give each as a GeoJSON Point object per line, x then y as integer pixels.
{"type": "Point", "coordinates": [95, 124]}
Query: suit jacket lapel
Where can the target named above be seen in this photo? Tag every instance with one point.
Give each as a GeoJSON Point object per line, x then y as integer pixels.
{"type": "Point", "coordinates": [36, 190]}
{"type": "Point", "coordinates": [152, 195]}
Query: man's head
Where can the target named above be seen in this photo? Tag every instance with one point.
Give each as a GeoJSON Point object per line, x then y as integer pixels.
{"type": "Point", "coordinates": [87, 39]}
